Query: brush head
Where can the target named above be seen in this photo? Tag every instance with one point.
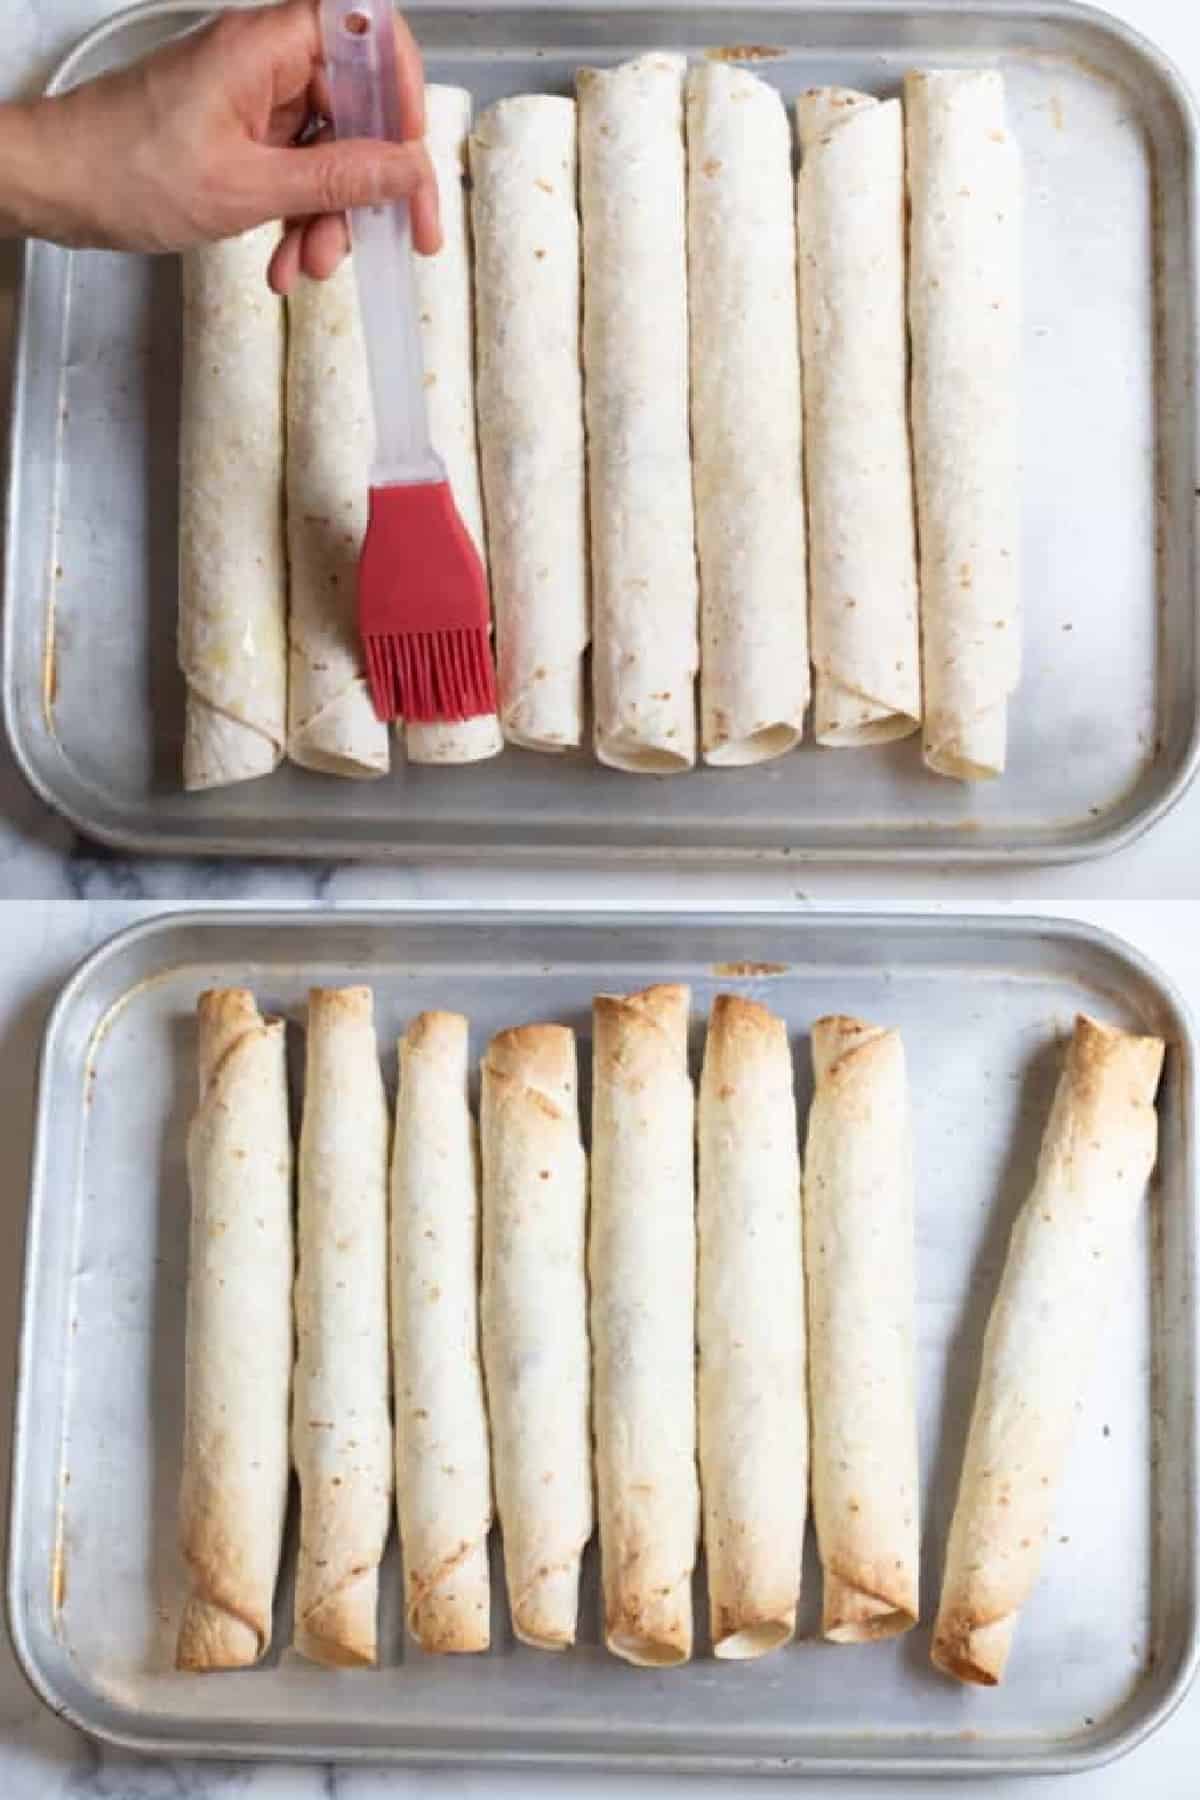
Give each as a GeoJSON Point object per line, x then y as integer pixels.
{"type": "Point", "coordinates": [423, 608]}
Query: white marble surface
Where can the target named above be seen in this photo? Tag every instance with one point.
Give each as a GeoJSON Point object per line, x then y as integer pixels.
{"type": "Point", "coordinates": [43, 1759]}
{"type": "Point", "coordinates": [40, 856]}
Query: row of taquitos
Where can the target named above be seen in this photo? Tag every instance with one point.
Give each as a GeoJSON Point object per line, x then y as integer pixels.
{"type": "Point", "coordinates": [636, 267]}
{"type": "Point", "coordinates": [668, 1277]}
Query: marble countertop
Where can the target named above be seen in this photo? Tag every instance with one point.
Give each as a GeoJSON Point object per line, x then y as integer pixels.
{"type": "Point", "coordinates": [41, 1758]}
{"type": "Point", "coordinates": [42, 857]}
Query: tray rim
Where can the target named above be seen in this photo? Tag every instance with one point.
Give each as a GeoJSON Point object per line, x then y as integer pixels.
{"type": "Point", "coordinates": [130, 1732]}
{"type": "Point", "coordinates": [37, 753]}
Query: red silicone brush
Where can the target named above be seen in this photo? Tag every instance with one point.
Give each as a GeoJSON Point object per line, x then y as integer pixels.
{"type": "Point", "coordinates": [422, 593]}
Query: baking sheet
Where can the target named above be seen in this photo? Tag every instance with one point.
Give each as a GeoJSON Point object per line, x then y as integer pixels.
{"type": "Point", "coordinates": [1104, 728]}
{"type": "Point", "coordinates": [1106, 1645]}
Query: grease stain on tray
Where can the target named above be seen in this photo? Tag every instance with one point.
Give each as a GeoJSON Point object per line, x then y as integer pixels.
{"type": "Point", "coordinates": [747, 971]}
{"type": "Point", "coordinates": [740, 53]}
{"type": "Point", "coordinates": [58, 1563]}
{"type": "Point", "coordinates": [58, 1579]}
{"type": "Point", "coordinates": [50, 669]}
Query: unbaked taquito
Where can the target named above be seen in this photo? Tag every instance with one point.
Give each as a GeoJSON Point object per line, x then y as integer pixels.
{"type": "Point", "coordinates": [964, 183]}
{"type": "Point", "coordinates": [530, 403]}
{"type": "Point", "coordinates": [645, 605]}
{"type": "Point", "coordinates": [332, 725]}
{"type": "Point", "coordinates": [746, 459]}
{"type": "Point", "coordinates": [232, 564]}
{"type": "Point", "coordinates": [858, 458]}
{"type": "Point", "coordinates": [444, 310]}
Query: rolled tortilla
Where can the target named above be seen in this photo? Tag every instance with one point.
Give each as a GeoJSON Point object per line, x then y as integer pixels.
{"type": "Point", "coordinates": [239, 1335]}
{"type": "Point", "coordinates": [641, 1262]}
{"type": "Point", "coordinates": [1063, 1263]}
{"type": "Point", "coordinates": [753, 1410]}
{"type": "Point", "coordinates": [232, 566]}
{"type": "Point", "coordinates": [535, 1335]}
{"type": "Point", "coordinates": [964, 310]}
{"type": "Point", "coordinates": [341, 1421]}
{"type": "Point", "coordinates": [858, 1251]}
{"type": "Point", "coordinates": [332, 725]}
{"type": "Point", "coordinates": [635, 352]}
{"type": "Point", "coordinates": [443, 1472]}
{"type": "Point", "coordinates": [443, 289]}
{"type": "Point", "coordinates": [454, 740]}
{"type": "Point", "coordinates": [862, 530]}
{"type": "Point", "coordinates": [530, 392]}
{"type": "Point", "coordinates": [748, 476]}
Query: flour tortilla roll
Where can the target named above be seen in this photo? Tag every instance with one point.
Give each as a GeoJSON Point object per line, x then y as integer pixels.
{"type": "Point", "coordinates": [964, 310]}
{"type": "Point", "coordinates": [535, 1335]}
{"type": "Point", "coordinates": [239, 1335]}
{"type": "Point", "coordinates": [753, 1410]}
{"type": "Point", "coordinates": [443, 289]}
{"type": "Point", "coordinates": [455, 740]}
{"type": "Point", "coordinates": [443, 1473]}
{"type": "Point", "coordinates": [862, 535]}
{"type": "Point", "coordinates": [1063, 1265]}
{"type": "Point", "coordinates": [527, 296]}
{"type": "Point", "coordinates": [444, 304]}
{"type": "Point", "coordinates": [332, 725]}
{"type": "Point", "coordinates": [749, 483]}
{"type": "Point", "coordinates": [232, 565]}
{"type": "Point", "coordinates": [341, 1422]}
{"type": "Point", "coordinates": [635, 352]}
{"type": "Point", "coordinates": [641, 1262]}
{"type": "Point", "coordinates": [858, 1249]}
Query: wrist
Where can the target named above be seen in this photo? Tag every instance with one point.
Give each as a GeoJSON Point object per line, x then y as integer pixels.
{"type": "Point", "coordinates": [36, 198]}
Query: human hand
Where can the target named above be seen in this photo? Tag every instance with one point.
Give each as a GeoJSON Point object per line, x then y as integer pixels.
{"type": "Point", "coordinates": [199, 141]}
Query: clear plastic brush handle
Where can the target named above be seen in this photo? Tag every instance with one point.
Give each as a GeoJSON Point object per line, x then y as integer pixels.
{"type": "Point", "coordinates": [360, 60]}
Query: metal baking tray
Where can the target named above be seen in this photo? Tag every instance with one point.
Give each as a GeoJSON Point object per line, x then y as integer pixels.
{"type": "Point", "coordinates": [1106, 1646]}
{"type": "Point", "coordinates": [1105, 731]}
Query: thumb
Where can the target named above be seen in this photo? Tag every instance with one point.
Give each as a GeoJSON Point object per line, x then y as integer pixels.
{"type": "Point", "coordinates": [335, 177]}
